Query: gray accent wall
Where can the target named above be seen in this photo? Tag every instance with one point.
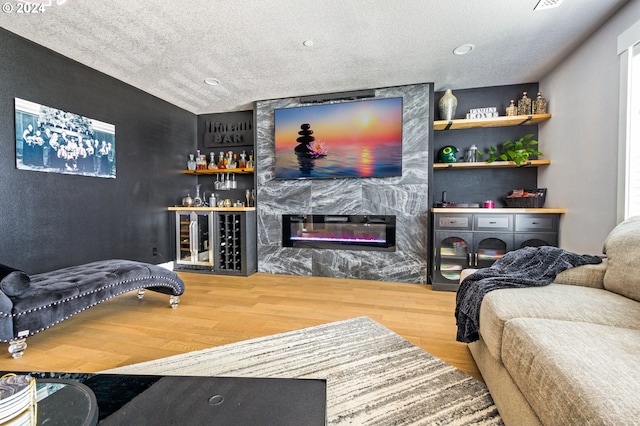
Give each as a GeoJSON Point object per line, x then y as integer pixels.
{"type": "Point", "coordinates": [405, 197]}
{"type": "Point", "coordinates": [582, 137]}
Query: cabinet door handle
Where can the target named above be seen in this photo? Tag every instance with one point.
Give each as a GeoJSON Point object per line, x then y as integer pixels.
{"type": "Point", "coordinates": [193, 247]}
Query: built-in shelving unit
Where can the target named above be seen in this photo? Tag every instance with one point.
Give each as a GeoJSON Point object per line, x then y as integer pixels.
{"type": "Point", "coordinates": [476, 237]}
{"type": "Point", "coordinates": [503, 121]}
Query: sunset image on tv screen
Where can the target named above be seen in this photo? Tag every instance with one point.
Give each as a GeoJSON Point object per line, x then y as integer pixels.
{"type": "Point", "coordinates": [350, 139]}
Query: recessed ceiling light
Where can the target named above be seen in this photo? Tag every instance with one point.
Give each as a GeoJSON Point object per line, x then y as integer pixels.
{"type": "Point", "coordinates": [212, 81]}
{"type": "Point", "coordinates": [307, 43]}
{"type": "Point", "coordinates": [464, 49]}
{"type": "Point", "coordinates": [547, 4]}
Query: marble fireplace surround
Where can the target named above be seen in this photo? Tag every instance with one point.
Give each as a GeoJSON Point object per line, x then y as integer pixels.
{"type": "Point", "coordinates": [405, 197]}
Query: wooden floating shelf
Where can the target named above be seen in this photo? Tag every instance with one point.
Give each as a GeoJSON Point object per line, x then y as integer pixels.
{"type": "Point", "coordinates": [503, 121]}
{"type": "Point", "coordinates": [494, 165]}
{"type": "Point", "coordinates": [498, 210]}
{"type": "Point", "coordinates": [214, 171]}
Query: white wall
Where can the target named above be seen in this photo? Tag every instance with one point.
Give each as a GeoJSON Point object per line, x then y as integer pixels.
{"type": "Point", "coordinates": [581, 139]}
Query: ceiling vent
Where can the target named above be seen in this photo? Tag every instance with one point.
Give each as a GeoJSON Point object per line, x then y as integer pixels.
{"type": "Point", "coordinates": [547, 4]}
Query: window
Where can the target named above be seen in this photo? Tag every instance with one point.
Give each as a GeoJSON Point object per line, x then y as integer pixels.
{"type": "Point", "coordinates": [629, 127]}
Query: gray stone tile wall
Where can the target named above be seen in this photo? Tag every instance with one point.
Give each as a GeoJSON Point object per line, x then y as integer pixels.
{"type": "Point", "coordinates": [405, 197]}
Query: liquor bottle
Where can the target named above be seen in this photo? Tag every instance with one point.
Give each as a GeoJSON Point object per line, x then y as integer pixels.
{"type": "Point", "coordinates": [201, 163]}
{"type": "Point", "coordinates": [212, 161]}
{"type": "Point", "coordinates": [191, 164]}
{"type": "Point", "coordinates": [250, 162]}
{"type": "Point", "coordinates": [512, 109]}
{"type": "Point", "coordinates": [243, 160]}
{"type": "Point", "coordinates": [221, 161]}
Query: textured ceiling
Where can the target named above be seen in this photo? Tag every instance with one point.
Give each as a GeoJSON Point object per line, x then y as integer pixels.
{"type": "Point", "coordinates": [255, 47]}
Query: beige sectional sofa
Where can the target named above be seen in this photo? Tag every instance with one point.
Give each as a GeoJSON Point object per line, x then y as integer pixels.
{"type": "Point", "coordinates": [568, 353]}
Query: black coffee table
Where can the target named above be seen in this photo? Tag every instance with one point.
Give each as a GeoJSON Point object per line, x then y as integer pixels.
{"type": "Point", "coordinates": [114, 399]}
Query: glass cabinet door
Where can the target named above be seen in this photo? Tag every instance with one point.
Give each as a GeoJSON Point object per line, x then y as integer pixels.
{"type": "Point", "coordinates": [452, 256]}
{"type": "Point", "coordinates": [490, 249]}
{"type": "Point", "coordinates": [193, 243]}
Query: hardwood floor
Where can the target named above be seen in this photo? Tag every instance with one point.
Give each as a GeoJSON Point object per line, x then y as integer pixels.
{"type": "Point", "coordinates": [216, 310]}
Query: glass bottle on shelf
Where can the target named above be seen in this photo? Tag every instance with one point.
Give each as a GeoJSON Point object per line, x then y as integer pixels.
{"type": "Point", "coordinates": [197, 201]}
{"type": "Point", "coordinates": [243, 160]}
{"type": "Point", "coordinates": [221, 164]}
{"type": "Point", "coordinates": [250, 162]}
{"type": "Point", "coordinates": [212, 161]}
{"type": "Point", "coordinates": [512, 109]}
{"type": "Point", "coordinates": [540, 104]}
{"type": "Point", "coordinates": [201, 163]}
{"type": "Point", "coordinates": [229, 160]}
{"type": "Point", "coordinates": [191, 164]}
{"type": "Point", "coordinates": [524, 105]}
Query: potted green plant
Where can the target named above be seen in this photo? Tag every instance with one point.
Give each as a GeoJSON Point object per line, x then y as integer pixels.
{"type": "Point", "coordinates": [517, 151]}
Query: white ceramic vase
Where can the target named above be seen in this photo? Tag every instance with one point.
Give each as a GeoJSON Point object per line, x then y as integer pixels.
{"type": "Point", "coordinates": [447, 105]}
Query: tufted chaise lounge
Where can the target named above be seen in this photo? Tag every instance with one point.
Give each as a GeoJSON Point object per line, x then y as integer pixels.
{"type": "Point", "coordinates": [31, 304]}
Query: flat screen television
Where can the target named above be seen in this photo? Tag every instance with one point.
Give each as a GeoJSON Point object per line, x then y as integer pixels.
{"type": "Point", "coordinates": [358, 139]}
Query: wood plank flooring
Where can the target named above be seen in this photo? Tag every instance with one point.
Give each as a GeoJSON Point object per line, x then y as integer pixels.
{"type": "Point", "coordinates": [216, 310]}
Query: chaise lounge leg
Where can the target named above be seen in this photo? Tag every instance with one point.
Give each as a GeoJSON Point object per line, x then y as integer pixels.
{"type": "Point", "coordinates": [17, 347]}
{"type": "Point", "coordinates": [174, 301]}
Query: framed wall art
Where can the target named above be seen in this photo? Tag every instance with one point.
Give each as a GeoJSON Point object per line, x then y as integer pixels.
{"type": "Point", "coordinates": [56, 141]}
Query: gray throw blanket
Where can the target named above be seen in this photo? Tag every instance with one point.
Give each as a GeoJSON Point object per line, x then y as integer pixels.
{"type": "Point", "coordinates": [525, 267]}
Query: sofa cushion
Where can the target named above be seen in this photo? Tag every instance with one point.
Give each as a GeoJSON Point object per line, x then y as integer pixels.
{"type": "Point", "coordinates": [575, 373]}
{"type": "Point", "coordinates": [622, 247]}
{"type": "Point", "coordinates": [555, 301]}
{"type": "Point", "coordinates": [13, 281]}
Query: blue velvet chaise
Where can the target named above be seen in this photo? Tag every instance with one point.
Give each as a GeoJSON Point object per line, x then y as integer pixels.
{"type": "Point", "coordinates": [31, 304]}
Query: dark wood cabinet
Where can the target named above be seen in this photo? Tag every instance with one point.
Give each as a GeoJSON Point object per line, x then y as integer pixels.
{"type": "Point", "coordinates": [476, 238]}
{"type": "Point", "coordinates": [215, 240]}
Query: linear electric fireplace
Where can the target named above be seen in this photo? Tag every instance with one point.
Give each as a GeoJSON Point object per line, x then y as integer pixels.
{"type": "Point", "coordinates": [342, 232]}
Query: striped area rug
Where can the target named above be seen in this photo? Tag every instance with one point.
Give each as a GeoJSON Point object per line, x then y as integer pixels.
{"type": "Point", "coordinates": [374, 376]}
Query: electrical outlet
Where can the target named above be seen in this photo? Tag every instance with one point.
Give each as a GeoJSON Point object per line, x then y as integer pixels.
{"type": "Point", "coordinates": [154, 251]}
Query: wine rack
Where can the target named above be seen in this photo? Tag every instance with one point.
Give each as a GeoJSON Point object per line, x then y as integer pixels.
{"type": "Point", "coordinates": [230, 241]}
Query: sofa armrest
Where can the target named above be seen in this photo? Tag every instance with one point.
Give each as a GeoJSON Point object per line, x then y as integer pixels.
{"type": "Point", "coordinates": [465, 273]}
{"type": "Point", "coordinates": [585, 275]}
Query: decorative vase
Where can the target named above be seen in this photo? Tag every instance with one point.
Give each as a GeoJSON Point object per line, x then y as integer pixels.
{"type": "Point", "coordinates": [512, 109]}
{"type": "Point", "coordinates": [447, 105]}
{"type": "Point", "coordinates": [540, 105]}
{"type": "Point", "coordinates": [524, 105]}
